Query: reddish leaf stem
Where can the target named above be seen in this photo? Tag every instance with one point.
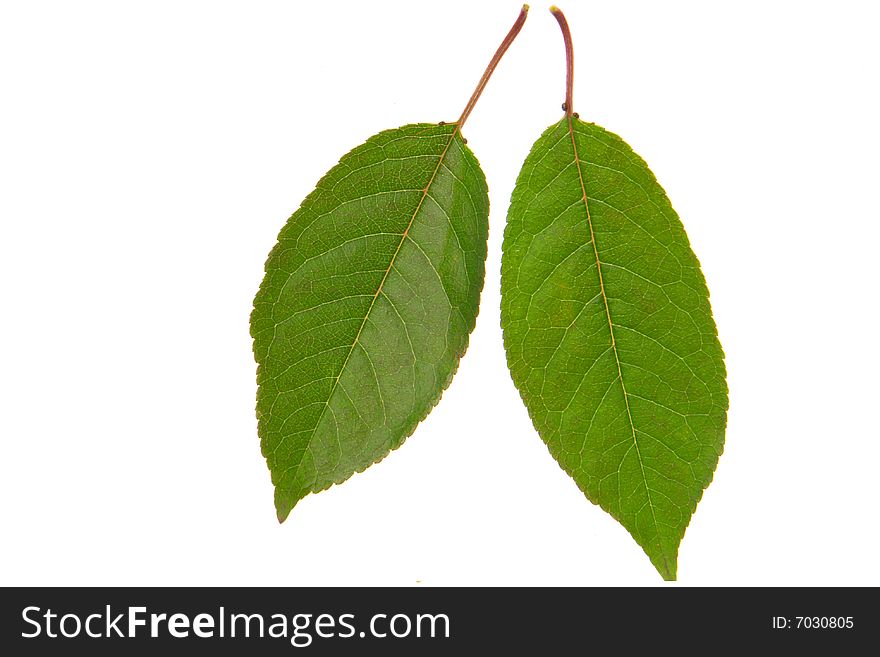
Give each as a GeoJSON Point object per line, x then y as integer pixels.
{"type": "Point", "coordinates": [569, 59]}
{"type": "Point", "coordinates": [517, 26]}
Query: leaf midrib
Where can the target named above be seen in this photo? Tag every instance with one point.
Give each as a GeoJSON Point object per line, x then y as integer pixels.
{"type": "Point", "coordinates": [577, 160]}
{"type": "Point", "coordinates": [379, 289]}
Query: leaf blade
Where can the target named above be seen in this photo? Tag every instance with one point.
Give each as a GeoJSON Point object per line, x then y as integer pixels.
{"type": "Point", "coordinates": [609, 334]}
{"type": "Point", "coordinates": [366, 306]}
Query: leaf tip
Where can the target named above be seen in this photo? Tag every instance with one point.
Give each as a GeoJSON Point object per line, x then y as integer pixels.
{"type": "Point", "coordinates": [525, 9]}
{"type": "Point", "coordinates": [555, 10]}
{"type": "Point", "coordinates": [283, 508]}
{"type": "Point", "coordinates": [667, 567]}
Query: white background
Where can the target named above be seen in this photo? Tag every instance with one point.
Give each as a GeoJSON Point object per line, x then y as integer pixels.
{"type": "Point", "coordinates": [150, 152]}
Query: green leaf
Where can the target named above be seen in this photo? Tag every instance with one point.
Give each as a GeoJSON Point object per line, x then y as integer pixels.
{"type": "Point", "coordinates": [366, 306]}
{"type": "Point", "coordinates": [609, 334]}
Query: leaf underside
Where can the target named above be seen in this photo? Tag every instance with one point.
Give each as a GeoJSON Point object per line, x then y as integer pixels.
{"type": "Point", "coordinates": [609, 333]}
{"type": "Point", "coordinates": [366, 306]}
